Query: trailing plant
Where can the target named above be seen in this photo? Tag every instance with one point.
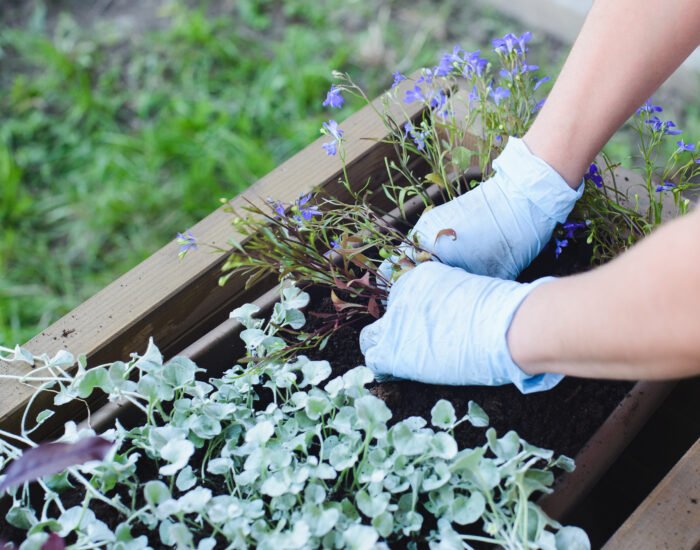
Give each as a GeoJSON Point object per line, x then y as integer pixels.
{"type": "Point", "coordinates": [272, 457]}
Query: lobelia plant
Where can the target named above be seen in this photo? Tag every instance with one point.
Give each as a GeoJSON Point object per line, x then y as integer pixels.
{"type": "Point", "coordinates": [470, 104]}
{"type": "Point", "coordinates": [275, 457]}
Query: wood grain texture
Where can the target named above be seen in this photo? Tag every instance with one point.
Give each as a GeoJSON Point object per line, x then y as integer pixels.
{"type": "Point", "coordinates": [670, 516]}
{"type": "Point", "coordinates": [176, 301]}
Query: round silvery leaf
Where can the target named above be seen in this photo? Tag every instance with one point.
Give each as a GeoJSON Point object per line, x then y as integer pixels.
{"type": "Point", "coordinates": [443, 445]}
{"type": "Point", "coordinates": [315, 372]}
{"type": "Point", "coordinates": [180, 371]}
{"type": "Point", "coordinates": [321, 520]}
{"type": "Point", "coordinates": [205, 427]}
{"type": "Point", "coordinates": [360, 537]}
{"type": "Point", "coordinates": [219, 466]}
{"type": "Point", "coordinates": [152, 360]}
{"type": "Point", "coordinates": [175, 534]}
{"type": "Point", "coordinates": [208, 543]}
{"type": "Point", "coordinates": [294, 298]}
{"type": "Point", "coordinates": [477, 416]}
{"type": "Point", "coordinates": [384, 524]}
{"type": "Point", "coordinates": [178, 453]}
{"type": "Point", "coordinates": [244, 315]}
{"type": "Point", "coordinates": [334, 387]}
{"type": "Point", "coordinates": [565, 463]}
{"type": "Point", "coordinates": [439, 477]}
{"type": "Point", "coordinates": [358, 377]}
{"type": "Point", "coordinates": [396, 484]}
{"type": "Point", "coordinates": [411, 522]}
{"type": "Point", "coordinates": [260, 433]}
{"type": "Point", "coordinates": [317, 406]}
{"type": "Point", "coordinates": [160, 436]}
{"type": "Point", "coordinates": [466, 510]}
{"type": "Point", "coordinates": [371, 505]}
{"type": "Point", "coordinates": [294, 319]}
{"type": "Point", "coordinates": [506, 447]}
{"type": "Point", "coordinates": [155, 492]}
{"type": "Point", "coordinates": [276, 484]}
{"type": "Point", "coordinates": [195, 500]}
{"type": "Point", "coordinates": [314, 493]}
{"type": "Point", "coordinates": [21, 517]}
{"type": "Point", "coordinates": [252, 337]}
{"type": "Point", "coordinates": [342, 457]}
{"type": "Point", "coordinates": [449, 539]}
{"type": "Point", "coordinates": [185, 479]}
{"type": "Point", "coordinates": [408, 442]}
{"type": "Point", "coordinates": [572, 538]}
{"type": "Point", "coordinates": [443, 415]}
{"type": "Point", "coordinates": [371, 411]}
{"type": "Point", "coordinates": [97, 377]}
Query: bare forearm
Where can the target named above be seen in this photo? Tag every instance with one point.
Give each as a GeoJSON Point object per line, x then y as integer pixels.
{"type": "Point", "coordinates": [625, 50]}
{"type": "Point", "coordinates": [635, 318]}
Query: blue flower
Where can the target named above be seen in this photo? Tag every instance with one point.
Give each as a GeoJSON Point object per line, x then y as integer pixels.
{"type": "Point", "coordinates": [560, 246]}
{"type": "Point", "coordinates": [398, 77]}
{"type": "Point", "coordinates": [511, 43]}
{"type": "Point", "coordinates": [416, 94]}
{"type": "Point", "coordinates": [541, 81]}
{"type": "Point", "coordinates": [682, 146]}
{"type": "Point", "coordinates": [418, 137]}
{"type": "Point", "coordinates": [438, 99]}
{"type": "Point", "coordinates": [331, 128]}
{"type": "Point", "coordinates": [649, 107]}
{"type": "Point", "coordinates": [308, 212]}
{"type": "Point", "coordinates": [333, 98]}
{"type": "Point", "coordinates": [449, 61]}
{"type": "Point", "coordinates": [667, 185]}
{"type": "Point", "coordinates": [427, 76]}
{"type": "Point", "coordinates": [571, 227]}
{"type": "Point", "coordinates": [335, 244]}
{"type": "Point", "coordinates": [667, 127]}
{"type": "Point", "coordinates": [538, 106]}
{"type": "Point", "coordinates": [279, 208]}
{"type": "Point", "coordinates": [473, 96]}
{"type": "Point", "coordinates": [474, 64]}
{"type": "Point", "coordinates": [594, 175]}
{"type": "Point", "coordinates": [499, 94]}
{"type": "Point", "coordinates": [187, 241]}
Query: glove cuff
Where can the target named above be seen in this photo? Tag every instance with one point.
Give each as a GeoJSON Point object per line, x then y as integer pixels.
{"type": "Point", "coordinates": [503, 361]}
{"type": "Point", "coordinates": [536, 180]}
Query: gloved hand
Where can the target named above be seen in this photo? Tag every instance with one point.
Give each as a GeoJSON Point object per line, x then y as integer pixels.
{"type": "Point", "coordinates": [446, 326]}
{"type": "Point", "coordinates": [503, 224]}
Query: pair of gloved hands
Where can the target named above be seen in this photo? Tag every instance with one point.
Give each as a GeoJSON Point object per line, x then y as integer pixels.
{"type": "Point", "coordinates": [446, 322]}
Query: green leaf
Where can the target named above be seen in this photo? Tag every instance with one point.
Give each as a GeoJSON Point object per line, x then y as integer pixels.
{"type": "Point", "coordinates": [93, 378]}
{"type": "Point", "coordinates": [384, 524]}
{"type": "Point", "coordinates": [461, 158]}
{"type": "Point", "coordinates": [443, 445]}
{"type": "Point", "coordinates": [43, 416]}
{"type": "Point", "coordinates": [467, 510]}
{"type": "Point", "coordinates": [156, 492]}
{"type": "Point", "coordinates": [22, 518]}
{"type": "Point", "coordinates": [177, 453]}
{"type": "Point", "coordinates": [294, 298]}
{"type": "Point", "coordinates": [260, 433]}
{"type": "Point", "coordinates": [372, 505]}
{"type": "Point", "coordinates": [186, 479]}
{"type": "Point", "coordinates": [360, 537]}
{"type": "Point", "coordinates": [180, 371]}
{"type": "Point", "coordinates": [371, 412]}
{"type": "Point", "coordinates": [572, 538]}
{"type": "Point", "coordinates": [506, 447]}
{"type": "Point", "coordinates": [443, 415]}
{"type": "Point", "coordinates": [477, 416]}
{"type": "Point", "coordinates": [315, 372]}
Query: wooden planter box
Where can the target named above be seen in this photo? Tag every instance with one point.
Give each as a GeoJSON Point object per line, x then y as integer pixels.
{"type": "Point", "coordinates": [180, 305]}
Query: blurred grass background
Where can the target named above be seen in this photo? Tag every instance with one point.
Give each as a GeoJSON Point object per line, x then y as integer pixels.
{"type": "Point", "coordinates": [124, 122]}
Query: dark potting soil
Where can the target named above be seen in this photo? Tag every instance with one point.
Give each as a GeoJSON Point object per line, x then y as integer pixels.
{"type": "Point", "coordinates": [561, 419]}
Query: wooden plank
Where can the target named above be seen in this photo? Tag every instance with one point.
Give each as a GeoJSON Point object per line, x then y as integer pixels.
{"type": "Point", "coordinates": [670, 516]}
{"type": "Point", "coordinates": [175, 301]}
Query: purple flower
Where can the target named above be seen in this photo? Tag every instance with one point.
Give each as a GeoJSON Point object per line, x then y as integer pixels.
{"type": "Point", "coordinates": [474, 64]}
{"type": "Point", "coordinates": [335, 244]}
{"type": "Point", "coordinates": [438, 99]}
{"type": "Point", "coordinates": [308, 212]}
{"type": "Point", "coordinates": [416, 94]}
{"type": "Point", "coordinates": [333, 98]}
{"type": "Point", "coordinates": [448, 61]}
{"type": "Point", "coordinates": [427, 76]}
{"type": "Point", "coordinates": [682, 146]}
{"type": "Point", "coordinates": [667, 185]}
{"type": "Point", "coordinates": [331, 128]}
{"type": "Point", "coordinates": [398, 77]}
{"type": "Point", "coordinates": [279, 208]}
{"type": "Point", "coordinates": [594, 175]}
{"type": "Point", "coordinates": [187, 241]}
{"type": "Point", "coordinates": [538, 106]}
{"type": "Point", "coordinates": [560, 245]}
{"type": "Point", "coordinates": [571, 227]}
{"type": "Point", "coordinates": [499, 94]}
{"type": "Point", "coordinates": [649, 108]}
{"type": "Point", "coordinates": [541, 81]}
{"type": "Point", "coordinates": [668, 127]}
{"type": "Point", "coordinates": [331, 148]}
{"type": "Point", "coordinates": [511, 43]}
{"type": "Point", "coordinates": [418, 137]}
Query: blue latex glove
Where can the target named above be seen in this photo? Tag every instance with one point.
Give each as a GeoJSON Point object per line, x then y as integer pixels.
{"type": "Point", "coordinates": [446, 326]}
{"type": "Point", "coordinates": [503, 224]}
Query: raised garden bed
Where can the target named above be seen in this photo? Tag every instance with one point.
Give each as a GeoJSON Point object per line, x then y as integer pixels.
{"type": "Point", "coordinates": [185, 314]}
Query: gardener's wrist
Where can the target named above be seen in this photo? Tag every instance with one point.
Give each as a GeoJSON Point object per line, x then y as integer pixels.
{"type": "Point", "coordinates": [558, 155]}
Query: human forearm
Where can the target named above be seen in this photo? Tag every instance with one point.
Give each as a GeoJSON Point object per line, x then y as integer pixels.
{"type": "Point", "coordinates": [634, 318]}
{"type": "Point", "coordinates": [625, 50]}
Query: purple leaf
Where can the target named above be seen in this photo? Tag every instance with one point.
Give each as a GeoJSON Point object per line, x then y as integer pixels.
{"type": "Point", "coordinates": [54, 542]}
{"type": "Point", "coordinates": [52, 458]}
